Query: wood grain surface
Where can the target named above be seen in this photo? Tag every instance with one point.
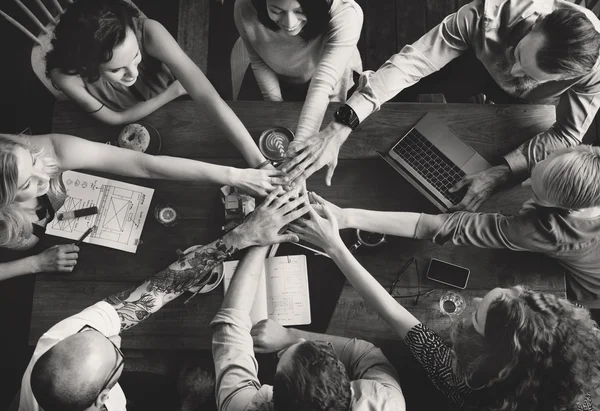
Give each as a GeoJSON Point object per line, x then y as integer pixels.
{"type": "Point", "coordinates": [361, 180]}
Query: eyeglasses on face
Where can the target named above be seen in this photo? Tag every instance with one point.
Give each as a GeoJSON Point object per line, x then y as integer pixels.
{"type": "Point", "coordinates": [120, 356]}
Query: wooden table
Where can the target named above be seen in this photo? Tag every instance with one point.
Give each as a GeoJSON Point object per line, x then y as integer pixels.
{"type": "Point", "coordinates": [361, 180]}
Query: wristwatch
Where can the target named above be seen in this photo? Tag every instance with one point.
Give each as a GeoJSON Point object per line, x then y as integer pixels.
{"type": "Point", "coordinates": [346, 115]}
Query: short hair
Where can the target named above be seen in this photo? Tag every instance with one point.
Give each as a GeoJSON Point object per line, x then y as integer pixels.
{"type": "Point", "coordinates": [539, 353]}
{"type": "Point", "coordinates": [86, 35]}
{"type": "Point", "coordinates": [50, 391]}
{"type": "Point", "coordinates": [316, 11]}
{"type": "Point", "coordinates": [572, 43]}
{"type": "Point", "coordinates": [571, 178]}
{"type": "Point", "coordinates": [314, 380]}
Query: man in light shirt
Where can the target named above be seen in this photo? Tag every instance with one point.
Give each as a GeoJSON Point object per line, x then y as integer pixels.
{"type": "Point", "coordinates": [541, 51]}
{"type": "Point", "coordinates": [315, 372]}
{"type": "Point", "coordinates": [77, 363]}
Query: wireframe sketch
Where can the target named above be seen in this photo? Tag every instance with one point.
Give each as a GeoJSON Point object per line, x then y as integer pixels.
{"type": "Point", "coordinates": [122, 212]}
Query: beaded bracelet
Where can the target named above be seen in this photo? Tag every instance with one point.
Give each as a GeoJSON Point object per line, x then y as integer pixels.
{"type": "Point", "coordinates": [261, 165]}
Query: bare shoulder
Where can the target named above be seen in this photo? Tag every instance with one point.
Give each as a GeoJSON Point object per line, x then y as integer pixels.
{"type": "Point", "coordinates": [66, 81]}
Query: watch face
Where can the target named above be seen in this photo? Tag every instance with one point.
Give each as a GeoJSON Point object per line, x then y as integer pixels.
{"type": "Point", "coordinates": [342, 114]}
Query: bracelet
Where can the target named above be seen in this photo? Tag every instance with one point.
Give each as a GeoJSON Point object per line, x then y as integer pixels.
{"type": "Point", "coordinates": [261, 165]}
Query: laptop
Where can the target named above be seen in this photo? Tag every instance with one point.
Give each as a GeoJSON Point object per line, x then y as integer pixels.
{"type": "Point", "coordinates": [432, 158]}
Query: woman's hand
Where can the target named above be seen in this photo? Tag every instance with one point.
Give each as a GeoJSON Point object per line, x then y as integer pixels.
{"type": "Point", "coordinates": [259, 183]}
{"type": "Point", "coordinates": [59, 258]}
{"type": "Point", "coordinates": [176, 89]}
{"type": "Point", "coordinates": [339, 213]}
{"type": "Point", "coordinates": [270, 336]}
{"type": "Point", "coordinates": [322, 232]}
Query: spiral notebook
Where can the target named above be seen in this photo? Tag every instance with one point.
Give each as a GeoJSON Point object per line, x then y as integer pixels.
{"type": "Point", "coordinates": [282, 294]}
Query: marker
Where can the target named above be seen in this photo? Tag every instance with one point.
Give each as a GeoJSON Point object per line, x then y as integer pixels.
{"type": "Point", "coordinates": [83, 237]}
{"type": "Point", "coordinates": [77, 213]}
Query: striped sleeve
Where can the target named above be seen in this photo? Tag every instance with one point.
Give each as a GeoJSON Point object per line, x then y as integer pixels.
{"type": "Point", "coordinates": [436, 357]}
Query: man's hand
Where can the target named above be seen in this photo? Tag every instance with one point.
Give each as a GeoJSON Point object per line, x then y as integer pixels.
{"type": "Point", "coordinates": [270, 336]}
{"type": "Point", "coordinates": [322, 232]}
{"type": "Point", "coordinates": [266, 224]}
{"type": "Point", "coordinates": [481, 186]}
{"type": "Point", "coordinates": [310, 155]}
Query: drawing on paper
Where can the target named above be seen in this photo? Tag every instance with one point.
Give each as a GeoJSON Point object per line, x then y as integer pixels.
{"type": "Point", "coordinates": [122, 211]}
{"type": "Point", "coordinates": [281, 306]}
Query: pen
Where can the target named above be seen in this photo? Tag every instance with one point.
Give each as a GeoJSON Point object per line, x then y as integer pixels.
{"type": "Point", "coordinates": [88, 232]}
{"type": "Point", "coordinates": [77, 213]}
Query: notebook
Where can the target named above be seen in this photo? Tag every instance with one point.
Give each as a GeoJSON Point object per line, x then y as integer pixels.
{"type": "Point", "coordinates": [433, 159]}
{"type": "Point", "coordinates": [282, 294]}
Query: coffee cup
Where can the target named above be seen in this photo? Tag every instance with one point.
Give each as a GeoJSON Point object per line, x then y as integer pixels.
{"type": "Point", "coordinates": [367, 239]}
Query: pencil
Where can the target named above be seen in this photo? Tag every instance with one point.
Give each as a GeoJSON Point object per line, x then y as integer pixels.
{"type": "Point", "coordinates": [83, 237]}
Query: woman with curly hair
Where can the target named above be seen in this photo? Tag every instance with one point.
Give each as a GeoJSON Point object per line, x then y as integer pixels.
{"type": "Point", "coordinates": [519, 350]}
{"type": "Point", "coordinates": [120, 67]}
{"type": "Point", "coordinates": [301, 50]}
{"type": "Point", "coordinates": [31, 188]}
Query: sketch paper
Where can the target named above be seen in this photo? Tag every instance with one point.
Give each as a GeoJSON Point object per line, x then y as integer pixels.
{"type": "Point", "coordinates": [122, 211]}
{"type": "Point", "coordinates": [282, 293]}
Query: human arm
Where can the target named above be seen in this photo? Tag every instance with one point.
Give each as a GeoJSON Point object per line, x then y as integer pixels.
{"type": "Point", "coordinates": [267, 79]}
{"type": "Point", "coordinates": [339, 46]}
{"type": "Point", "coordinates": [74, 88]}
{"type": "Point", "coordinates": [434, 50]}
{"type": "Point", "coordinates": [262, 227]}
{"type": "Point", "coordinates": [75, 153]}
{"type": "Point", "coordinates": [235, 365]}
{"type": "Point", "coordinates": [58, 258]}
{"type": "Point", "coordinates": [161, 45]}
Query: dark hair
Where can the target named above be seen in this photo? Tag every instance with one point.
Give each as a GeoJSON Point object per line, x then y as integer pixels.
{"type": "Point", "coordinates": [316, 11]}
{"type": "Point", "coordinates": [314, 380]}
{"type": "Point", "coordinates": [86, 36]}
{"type": "Point", "coordinates": [57, 394]}
{"type": "Point", "coordinates": [572, 43]}
{"type": "Point", "coordinates": [539, 353]}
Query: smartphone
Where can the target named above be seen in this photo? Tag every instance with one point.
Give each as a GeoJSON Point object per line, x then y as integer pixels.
{"type": "Point", "coordinates": [447, 273]}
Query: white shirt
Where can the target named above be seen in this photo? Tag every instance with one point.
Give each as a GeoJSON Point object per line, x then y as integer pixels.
{"type": "Point", "coordinates": [103, 317]}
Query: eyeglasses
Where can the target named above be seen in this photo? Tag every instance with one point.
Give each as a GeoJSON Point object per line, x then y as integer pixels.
{"type": "Point", "coordinates": [419, 293]}
{"type": "Point", "coordinates": [120, 356]}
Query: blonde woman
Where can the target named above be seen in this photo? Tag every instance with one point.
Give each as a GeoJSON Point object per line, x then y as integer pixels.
{"type": "Point", "coordinates": [31, 188]}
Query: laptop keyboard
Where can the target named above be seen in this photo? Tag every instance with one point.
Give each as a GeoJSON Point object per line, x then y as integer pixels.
{"type": "Point", "coordinates": [431, 163]}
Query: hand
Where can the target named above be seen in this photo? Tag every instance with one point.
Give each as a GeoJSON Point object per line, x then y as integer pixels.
{"type": "Point", "coordinates": [259, 183]}
{"type": "Point", "coordinates": [339, 213]}
{"type": "Point", "coordinates": [59, 258]}
{"type": "Point", "coordinates": [322, 232]}
{"type": "Point", "coordinates": [481, 186]}
{"type": "Point", "coordinates": [312, 154]}
{"type": "Point", "coordinates": [266, 224]}
{"type": "Point", "coordinates": [176, 89]}
{"type": "Point", "coordinates": [270, 336]}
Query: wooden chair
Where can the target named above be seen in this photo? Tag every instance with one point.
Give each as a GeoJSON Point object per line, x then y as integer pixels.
{"type": "Point", "coordinates": [239, 60]}
{"type": "Point", "coordinates": [42, 40]}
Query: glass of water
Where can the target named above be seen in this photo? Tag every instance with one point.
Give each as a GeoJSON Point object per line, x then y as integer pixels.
{"type": "Point", "coordinates": [452, 304]}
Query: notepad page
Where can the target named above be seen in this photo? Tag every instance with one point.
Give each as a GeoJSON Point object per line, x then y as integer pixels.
{"type": "Point", "coordinates": [288, 297]}
{"type": "Point", "coordinates": [259, 309]}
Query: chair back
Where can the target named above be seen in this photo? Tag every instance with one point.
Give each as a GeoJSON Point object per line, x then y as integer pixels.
{"type": "Point", "coordinates": [41, 40]}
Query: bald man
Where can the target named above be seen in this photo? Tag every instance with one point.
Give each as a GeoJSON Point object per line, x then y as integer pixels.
{"type": "Point", "coordinates": [77, 363]}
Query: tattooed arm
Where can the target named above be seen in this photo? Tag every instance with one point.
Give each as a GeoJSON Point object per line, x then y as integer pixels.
{"type": "Point", "coordinates": [138, 303]}
{"type": "Point", "coordinates": [262, 227]}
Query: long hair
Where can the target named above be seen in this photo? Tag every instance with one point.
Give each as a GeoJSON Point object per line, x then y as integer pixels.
{"type": "Point", "coordinates": [15, 224]}
{"type": "Point", "coordinates": [539, 353]}
{"type": "Point", "coordinates": [572, 43]}
{"type": "Point", "coordinates": [86, 36]}
{"type": "Point", "coordinates": [316, 11]}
